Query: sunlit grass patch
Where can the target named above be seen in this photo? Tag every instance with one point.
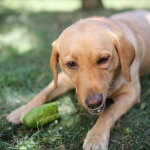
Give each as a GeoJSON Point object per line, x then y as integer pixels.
{"type": "Point", "coordinates": [44, 5]}
{"type": "Point", "coordinates": [19, 38]}
{"type": "Point", "coordinates": [70, 5]}
{"type": "Point", "coordinates": [124, 4]}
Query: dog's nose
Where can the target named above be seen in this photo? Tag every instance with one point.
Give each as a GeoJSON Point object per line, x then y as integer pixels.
{"type": "Point", "coordinates": [94, 101]}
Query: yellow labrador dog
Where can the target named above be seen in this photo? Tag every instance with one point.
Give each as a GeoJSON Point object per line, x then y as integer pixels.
{"type": "Point", "coordinates": [100, 57]}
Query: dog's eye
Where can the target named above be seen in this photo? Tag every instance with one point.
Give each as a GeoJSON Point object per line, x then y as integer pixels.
{"type": "Point", "coordinates": [103, 60]}
{"type": "Point", "coordinates": [72, 65]}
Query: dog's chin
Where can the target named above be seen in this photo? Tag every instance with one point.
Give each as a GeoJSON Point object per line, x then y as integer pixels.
{"type": "Point", "coordinates": [98, 110]}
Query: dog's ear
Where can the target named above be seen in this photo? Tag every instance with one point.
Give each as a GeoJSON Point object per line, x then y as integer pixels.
{"type": "Point", "coordinates": [126, 53]}
{"type": "Point", "coordinates": [53, 63]}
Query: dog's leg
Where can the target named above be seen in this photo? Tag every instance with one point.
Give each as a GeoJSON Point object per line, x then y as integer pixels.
{"type": "Point", "coordinates": [46, 95]}
{"type": "Point", "coordinates": [100, 133]}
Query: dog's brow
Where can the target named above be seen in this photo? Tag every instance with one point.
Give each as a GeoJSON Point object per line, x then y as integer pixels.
{"type": "Point", "coordinates": [102, 54]}
{"type": "Point", "coordinates": [74, 56]}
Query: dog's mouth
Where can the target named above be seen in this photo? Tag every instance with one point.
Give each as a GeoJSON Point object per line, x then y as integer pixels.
{"type": "Point", "coordinates": [97, 110]}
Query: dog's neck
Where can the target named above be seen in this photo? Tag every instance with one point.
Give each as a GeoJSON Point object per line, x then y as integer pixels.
{"type": "Point", "coordinates": [116, 83]}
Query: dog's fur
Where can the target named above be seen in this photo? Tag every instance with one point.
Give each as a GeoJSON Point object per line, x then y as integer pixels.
{"type": "Point", "coordinates": [123, 39]}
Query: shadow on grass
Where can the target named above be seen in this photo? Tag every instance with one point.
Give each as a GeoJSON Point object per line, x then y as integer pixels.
{"type": "Point", "coordinates": [25, 71]}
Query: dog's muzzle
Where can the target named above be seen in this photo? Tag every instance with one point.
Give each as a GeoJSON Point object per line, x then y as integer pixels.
{"type": "Point", "coordinates": [97, 110]}
{"type": "Point", "coordinates": [95, 103]}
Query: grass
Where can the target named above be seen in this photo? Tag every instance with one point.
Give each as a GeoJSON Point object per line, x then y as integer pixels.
{"type": "Point", "coordinates": [25, 48]}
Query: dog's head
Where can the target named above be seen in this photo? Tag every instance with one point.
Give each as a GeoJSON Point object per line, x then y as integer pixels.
{"type": "Point", "coordinates": [92, 52]}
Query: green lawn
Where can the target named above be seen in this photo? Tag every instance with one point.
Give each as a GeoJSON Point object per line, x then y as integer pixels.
{"type": "Point", "coordinates": [26, 35]}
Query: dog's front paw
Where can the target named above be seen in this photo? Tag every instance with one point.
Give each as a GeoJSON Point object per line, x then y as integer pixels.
{"type": "Point", "coordinates": [95, 141]}
{"type": "Point", "coordinates": [17, 115]}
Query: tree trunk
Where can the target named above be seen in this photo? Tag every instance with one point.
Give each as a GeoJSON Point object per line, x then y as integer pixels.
{"type": "Point", "coordinates": [92, 4]}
